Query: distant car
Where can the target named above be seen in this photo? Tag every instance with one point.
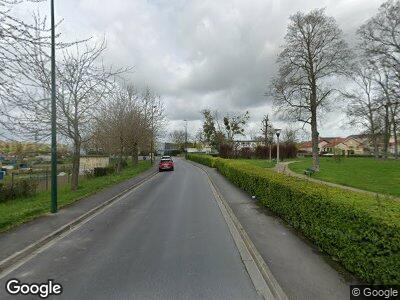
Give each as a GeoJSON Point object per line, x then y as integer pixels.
{"type": "Point", "coordinates": [166, 164]}
{"type": "Point", "coordinates": [166, 157]}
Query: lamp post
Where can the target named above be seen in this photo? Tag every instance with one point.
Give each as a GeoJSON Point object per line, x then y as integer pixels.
{"type": "Point", "coordinates": [53, 115]}
{"type": "Point", "coordinates": [277, 132]}
{"type": "Point", "coordinates": [186, 139]}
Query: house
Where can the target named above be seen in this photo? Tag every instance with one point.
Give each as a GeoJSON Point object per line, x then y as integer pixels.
{"type": "Point", "coordinates": [344, 146]}
{"type": "Point", "coordinates": [202, 149]}
{"type": "Point", "coordinates": [331, 144]}
{"type": "Point", "coordinates": [323, 145]}
{"type": "Point", "coordinates": [88, 163]}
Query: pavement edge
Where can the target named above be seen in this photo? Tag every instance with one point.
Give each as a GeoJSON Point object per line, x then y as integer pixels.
{"type": "Point", "coordinates": [274, 289]}
{"type": "Point", "coordinates": [34, 247]}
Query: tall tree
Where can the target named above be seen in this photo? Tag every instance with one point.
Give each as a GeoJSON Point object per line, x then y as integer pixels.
{"type": "Point", "coordinates": [18, 38]}
{"type": "Point", "coordinates": [364, 107]}
{"type": "Point", "coordinates": [314, 52]}
{"type": "Point", "coordinates": [178, 137]}
{"type": "Point", "coordinates": [380, 41]}
{"type": "Point", "coordinates": [234, 124]}
{"type": "Point", "coordinates": [83, 81]}
{"type": "Point", "coordinates": [268, 133]}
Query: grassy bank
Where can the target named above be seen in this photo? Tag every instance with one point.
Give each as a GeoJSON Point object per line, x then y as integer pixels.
{"type": "Point", "coordinates": [262, 163]}
{"type": "Point", "coordinates": [364, 173]}
{"type": "Point", "coordinates": [17, 211]}
{"type": "Point", "coordinates": [362, 232]}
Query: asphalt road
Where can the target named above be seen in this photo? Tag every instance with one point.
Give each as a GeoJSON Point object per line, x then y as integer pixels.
{"type": "Point", "coordinates": [165, 240]}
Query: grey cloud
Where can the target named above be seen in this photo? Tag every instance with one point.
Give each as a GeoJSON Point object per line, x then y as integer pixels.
{"type": "Point", "coordinates": [197, 54]}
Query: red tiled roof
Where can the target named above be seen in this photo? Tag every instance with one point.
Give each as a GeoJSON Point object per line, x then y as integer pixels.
{"type": "Point", "coordinates": [305, 144]}
{"type": "Point", "coordinates": [335, 141]}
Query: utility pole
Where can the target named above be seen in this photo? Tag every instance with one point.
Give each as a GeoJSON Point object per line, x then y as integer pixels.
{"type": "Point", "coordinates": [53, 115]}
{"type": "Point", "coordinates": [186, 152]}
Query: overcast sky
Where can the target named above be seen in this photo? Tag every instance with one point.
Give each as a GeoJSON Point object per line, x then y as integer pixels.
{"type": "Point", "coordinates": [204, 54]}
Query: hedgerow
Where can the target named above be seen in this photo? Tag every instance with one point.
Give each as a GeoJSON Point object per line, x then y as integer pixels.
{"type": "Point", "coordinates": [359, 230]}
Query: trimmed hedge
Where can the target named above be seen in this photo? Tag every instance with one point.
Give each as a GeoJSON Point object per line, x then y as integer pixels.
{"type": "Point", "coordinates": [103, 171]}
{"type": "Point", "coordinates": [359, 230]}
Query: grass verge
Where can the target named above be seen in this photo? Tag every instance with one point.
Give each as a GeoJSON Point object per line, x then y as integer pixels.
{"type": "Point", "coordinates": [368, 174]}
{"type": "Point", "coordinates": [18, 211]}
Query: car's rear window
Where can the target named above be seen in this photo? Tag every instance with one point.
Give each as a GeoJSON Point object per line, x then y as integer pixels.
{"type": "Point", "coordinates": [166, 160]}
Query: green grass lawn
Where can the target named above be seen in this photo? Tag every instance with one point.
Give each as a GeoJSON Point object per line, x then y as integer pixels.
{"type": "Point", "coordinates": [359, 172]}
{"type": "Point", "coordinates": [262, 163]}
{"type": "Point", "coordinates": [18, 211]}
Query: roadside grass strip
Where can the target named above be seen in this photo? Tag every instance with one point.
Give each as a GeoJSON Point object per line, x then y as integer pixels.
{"type": "Point", "coordinates": [21, 210]}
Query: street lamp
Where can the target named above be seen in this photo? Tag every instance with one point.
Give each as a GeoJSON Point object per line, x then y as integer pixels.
{"type": "Point", "coordinates": [186, 138]}
{"type": "Point", "coordinates": [277, 132]}
{"type": "Point", "coordinates": [53, 115]}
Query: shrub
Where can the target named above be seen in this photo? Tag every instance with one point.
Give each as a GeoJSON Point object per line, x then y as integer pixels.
{"type": "Point", "coordinates": [18, 189]}
{"type": "Point", "coordinates": [360, 231]}
{"type": "Point", "coordinates": [226, 151]}
{"type": "Point", "coordinates": [103, 171]}
{"type": "Point", "coordinates": [203, 159]}
{"type": "Point", "coordinates": [172, 152]}
{"type": "Point", "coordinates": [246, 152]}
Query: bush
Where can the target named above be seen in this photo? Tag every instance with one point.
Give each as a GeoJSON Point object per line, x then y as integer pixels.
{"type": "Point", "coordinates": [360, 231]}
{"type": "Point", "coordinates": [172, 152]}
{"type": "Point", "coordinates": [203, 159]}
{"type": "Point", "coordinates": [103, 171]}
{"type": "Point", "coordinates": [226, 151]}
{"type": "Point", "coordinates": [245, 152]}
{"type": "Point", "coordinates": [21, 188]}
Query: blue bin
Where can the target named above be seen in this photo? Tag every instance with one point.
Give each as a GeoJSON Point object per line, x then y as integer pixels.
{"type": "Point", "coordinates": [2, 174]}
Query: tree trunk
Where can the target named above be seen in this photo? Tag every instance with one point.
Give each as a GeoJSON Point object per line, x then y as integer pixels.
{"type": "Point", "coordinates": [270, 152]}
{"type": "Point", "coordinates": [396, 148]}
{"type": "Point", "coordinates": [387, 133]}
{"type": "Point", "coordinates": [314, 131]}
{"type": "Point", "coordinates": [376, 146]}
{"type": "Point", "coordinates": [135, 154]}
{"type": "Point", "coordinates": [76, 157]}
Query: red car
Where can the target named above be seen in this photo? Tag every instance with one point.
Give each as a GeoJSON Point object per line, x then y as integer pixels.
{"type": "Point", "coordinates": [166, 164]}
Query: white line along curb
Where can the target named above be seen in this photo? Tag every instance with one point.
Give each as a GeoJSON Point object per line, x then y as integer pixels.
{"type": "Point", "coordinates": [260, 274]}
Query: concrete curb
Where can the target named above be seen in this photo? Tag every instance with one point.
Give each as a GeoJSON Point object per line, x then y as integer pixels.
{"type": "Point", "coordinates": [274, 289]}
{"type": "Point", "coordinates": [20, 255]}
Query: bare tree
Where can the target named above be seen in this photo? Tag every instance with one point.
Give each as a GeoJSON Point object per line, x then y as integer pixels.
{"type": "Point", "coordinates": [234, 124]}
{"type": "Point", "coordinates": [314, 52]}
{"type": "Point", "coordinates": [17, 38]}
{"type": "Point", "coordinates": [83, 81]}
{"type": "Point", "coordinates": [364, 107]}
{"type": "Point", "coordinates": [380, 41]}
{"type": "Point", "coordinates": [178, 137]}
{"type": "Point", "coordinates": [268, 132]}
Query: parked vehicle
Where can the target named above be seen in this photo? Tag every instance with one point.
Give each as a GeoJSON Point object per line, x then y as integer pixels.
{"type": "Point", "coordinates": [166, 164]}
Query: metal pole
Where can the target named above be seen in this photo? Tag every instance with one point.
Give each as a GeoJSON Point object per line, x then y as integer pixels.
{"type": "Point", "coordinates": [277, 150]}
{"type": "Point", "coordinates": [53, 116]}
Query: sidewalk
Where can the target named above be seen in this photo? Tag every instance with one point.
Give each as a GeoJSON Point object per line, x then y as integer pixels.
{"type": "Point", "coordinates": [22, 236]}
{"type": "Point", "coordinates": [300, 269]}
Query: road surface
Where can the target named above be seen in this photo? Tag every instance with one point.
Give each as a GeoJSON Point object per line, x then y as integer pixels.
{"type": "Point", "coordinates": [166, 239]}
